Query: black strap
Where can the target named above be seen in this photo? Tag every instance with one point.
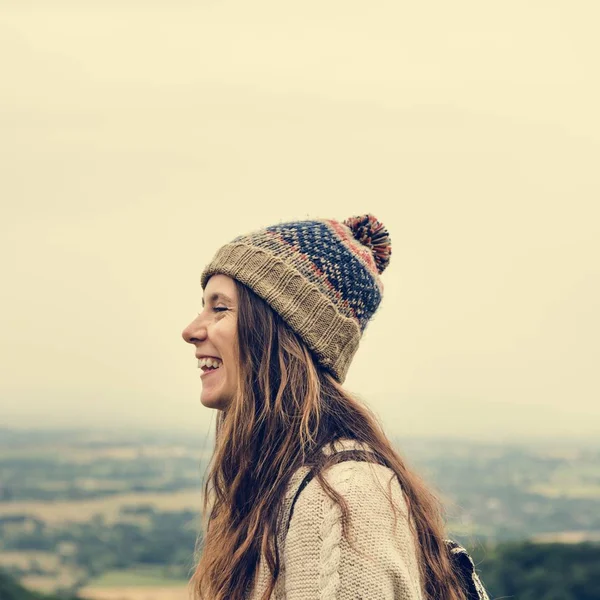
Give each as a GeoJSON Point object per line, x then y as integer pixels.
{"type": "Point", "coordinates": [342, 456]}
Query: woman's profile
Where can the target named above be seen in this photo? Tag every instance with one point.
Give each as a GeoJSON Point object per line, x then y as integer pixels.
{"type": "Point", "coordinates": [283, 312]}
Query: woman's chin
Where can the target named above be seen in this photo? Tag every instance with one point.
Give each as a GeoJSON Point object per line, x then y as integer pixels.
{"type": "Point", "coordinates": [212, 401]}
{"type": "Point", "coordinates": [209, 401]}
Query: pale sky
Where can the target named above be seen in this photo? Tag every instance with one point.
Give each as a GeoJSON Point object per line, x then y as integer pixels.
{"type": "Point", "coordinates": [137, 137]}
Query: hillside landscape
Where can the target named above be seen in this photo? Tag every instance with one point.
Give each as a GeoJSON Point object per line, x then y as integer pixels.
{"type": "Point", "coordinates": [107, 516]}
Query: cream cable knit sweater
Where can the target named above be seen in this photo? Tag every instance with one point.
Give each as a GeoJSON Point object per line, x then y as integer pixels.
{"type": "Point", "coordinates": [319, 565]}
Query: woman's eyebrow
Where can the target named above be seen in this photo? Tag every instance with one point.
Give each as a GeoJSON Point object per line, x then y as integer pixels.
{"type": "Point", "coordinates": [218, 296]}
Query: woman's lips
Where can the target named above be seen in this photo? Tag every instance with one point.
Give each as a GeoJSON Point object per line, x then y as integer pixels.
{"type": "Point", "coordinates": [209, 372]}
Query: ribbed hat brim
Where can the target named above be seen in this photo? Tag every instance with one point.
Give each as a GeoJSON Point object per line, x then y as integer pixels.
{"type": "Point", "coordinates": [333, 337]}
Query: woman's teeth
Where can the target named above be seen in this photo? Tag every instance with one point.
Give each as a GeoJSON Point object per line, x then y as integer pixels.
{"type": "Point", "coordinates": [213, 363]}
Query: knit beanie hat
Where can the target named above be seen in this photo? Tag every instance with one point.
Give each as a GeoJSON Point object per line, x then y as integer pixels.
{"type": "Point", "coordinates": [321, 276]}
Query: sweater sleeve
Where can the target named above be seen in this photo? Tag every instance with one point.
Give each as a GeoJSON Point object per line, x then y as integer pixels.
{"type": "Point", "coordinates": [320, 564]}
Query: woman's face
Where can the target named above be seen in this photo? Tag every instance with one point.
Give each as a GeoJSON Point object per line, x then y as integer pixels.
{"type": "Point", "coordinates": [213, 333]}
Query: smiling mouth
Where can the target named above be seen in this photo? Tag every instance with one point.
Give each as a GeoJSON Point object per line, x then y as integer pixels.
{"type": "Point", "coordinates": [209, 363]}
{"type": "Point", "coordinates": [208, 372]}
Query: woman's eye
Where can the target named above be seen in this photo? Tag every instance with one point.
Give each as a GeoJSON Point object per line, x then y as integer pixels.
{"type": "Point", "coordinates": [219, 308]}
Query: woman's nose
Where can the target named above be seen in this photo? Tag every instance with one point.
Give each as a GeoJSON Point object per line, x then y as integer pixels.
{"type": "Point", "coordinates": [194, 331]}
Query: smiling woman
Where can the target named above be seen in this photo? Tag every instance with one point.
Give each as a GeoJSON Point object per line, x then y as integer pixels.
{"type": "Point", "coordinates": [294, 507]}
{"type": "Point", "coordinates": [214, 334]}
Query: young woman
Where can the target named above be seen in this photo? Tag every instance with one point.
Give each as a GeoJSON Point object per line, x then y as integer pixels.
{"type": "Point", "coordinates": [283, 312]}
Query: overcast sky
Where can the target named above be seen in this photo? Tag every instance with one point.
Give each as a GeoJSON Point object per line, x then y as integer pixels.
{"type": "Point", "coordinates": [137, 137]}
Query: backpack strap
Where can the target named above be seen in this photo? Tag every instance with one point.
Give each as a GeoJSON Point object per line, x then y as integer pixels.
{"type": "Point", "coordinates": [464, 564]}
{"type": "Point", "coordinates": [459, 557]}
{"type": "Point", "coordinates": [343, 456]}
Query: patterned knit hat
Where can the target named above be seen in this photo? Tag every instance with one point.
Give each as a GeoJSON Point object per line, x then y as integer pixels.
{"type": "Point", "coordinates": [321, 276]}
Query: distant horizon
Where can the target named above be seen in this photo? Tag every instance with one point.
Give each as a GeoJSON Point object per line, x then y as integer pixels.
{"type": "Point", "coordinates": [417, 417]}
{"type": "Point", "coordinates": [188, 433]}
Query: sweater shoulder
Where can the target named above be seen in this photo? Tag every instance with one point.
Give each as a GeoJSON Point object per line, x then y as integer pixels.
{"type": "Point", "coordinates": [359, 482]}
{"type": "Point", "coordinates": [349, 478]}
{"type": "Point", "coordinates": [377, 560]}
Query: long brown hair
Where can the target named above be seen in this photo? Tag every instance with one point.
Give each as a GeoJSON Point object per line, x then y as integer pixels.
{"type": "Point", "coordinates": [286, 409]}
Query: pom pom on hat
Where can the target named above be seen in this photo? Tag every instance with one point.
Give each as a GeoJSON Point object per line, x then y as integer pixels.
{"type": "Point", "coordinates": [371, 233]}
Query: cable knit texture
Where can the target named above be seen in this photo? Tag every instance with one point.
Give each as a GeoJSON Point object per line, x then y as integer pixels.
{"type": "Point", "coordinates": [319, 564]}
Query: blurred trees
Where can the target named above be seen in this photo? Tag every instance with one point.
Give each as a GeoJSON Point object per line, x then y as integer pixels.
{"type": "Point", "coordinates": [531, 571]}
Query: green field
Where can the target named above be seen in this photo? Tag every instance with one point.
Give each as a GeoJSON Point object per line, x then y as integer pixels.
{"type": "Point", "coordinates": [110, 507]}
{"type": "Point", "coordinates": [558, 490]}
{"type": "Point", "coordinates": [140, 576]}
